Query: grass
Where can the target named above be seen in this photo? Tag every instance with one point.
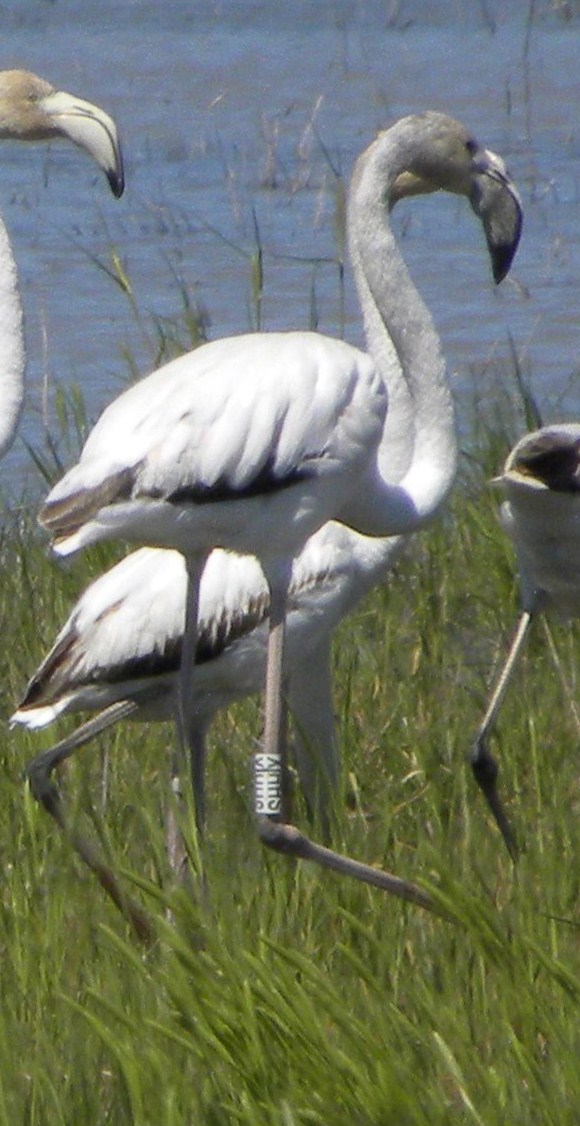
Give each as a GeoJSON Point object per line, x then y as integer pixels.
{"type": "Point", "coordinates": [286, 995]}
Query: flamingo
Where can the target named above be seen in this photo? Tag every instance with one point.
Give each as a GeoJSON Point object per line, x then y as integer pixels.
{"type": "Point", "coordinates": [541, 481]}
{"type": "Point", "coordinates": [119, 651]}
{"type": "Point", "coordinates": [252, 443]}
{"type": "Point", "coordinates": [120, 648]}
{"type": "Point", "coordinates": [32, 110]}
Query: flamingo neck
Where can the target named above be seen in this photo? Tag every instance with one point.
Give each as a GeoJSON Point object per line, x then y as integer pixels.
{"type": "Point", "coordinates": [11, 345]}
{"type": "Point", "coordinates": [396, 451]}
{"type": "Point", "coordinates": [419, 433]}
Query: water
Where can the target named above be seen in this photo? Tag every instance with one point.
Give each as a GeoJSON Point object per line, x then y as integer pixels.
{"type": "Point", "coordinates": [236, 115]}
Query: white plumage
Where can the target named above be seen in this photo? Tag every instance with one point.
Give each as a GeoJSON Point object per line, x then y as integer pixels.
{"type": "Point", "coordinates": [224, 446]}
{"type": "Point", "coordinates": [541, 513]}
{"type": "Point", "coordinates": [123, 639]}
{"type": "Point", "coordinates": [120, 649]}
{"type": "Point", "coordinates": [252, 443]}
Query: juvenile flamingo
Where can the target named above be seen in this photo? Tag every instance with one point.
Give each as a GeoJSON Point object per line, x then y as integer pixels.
{"type": "Point", "coordinates": [541, 513]}
{"type": "Point", "coordinates": [253, 442]}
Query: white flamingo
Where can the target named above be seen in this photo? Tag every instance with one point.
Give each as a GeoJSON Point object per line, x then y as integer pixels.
{"type": "Point", "coordinates": [120, 649]}
{"type": "Point", "coordinates": [120, 652]}
{"type": "Point", "coordinates": [32, 110]}
{"type": "Point", "coordinates": [253, 442]}
{"type": "Point", "coordinates": [541, 513]}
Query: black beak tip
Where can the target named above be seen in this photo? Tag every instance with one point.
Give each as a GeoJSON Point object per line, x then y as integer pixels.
{"type": "Point", "coordinates": [503, 257]}
{"type": "Point", "coordinates": [503, 252]}
{"type": "Point", "coordinates": [116, 180]}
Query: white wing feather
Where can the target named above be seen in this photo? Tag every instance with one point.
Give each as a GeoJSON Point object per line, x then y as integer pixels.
{"type": "Point", "coordinates": [228, 410]}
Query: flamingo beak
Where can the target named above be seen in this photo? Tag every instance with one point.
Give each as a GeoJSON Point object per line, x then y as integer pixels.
{"type": "Point", "coordinates": [496, 202]}
{"type": "Point", "coordinates": [91, 129]}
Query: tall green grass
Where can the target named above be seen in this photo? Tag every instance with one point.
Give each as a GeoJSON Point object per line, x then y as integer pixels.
{"type": "Point", "coordinates": [282, 995]}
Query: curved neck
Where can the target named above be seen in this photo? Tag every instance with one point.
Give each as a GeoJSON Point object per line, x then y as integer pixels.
{"type": "Point", "coordinates": [419, 432]}
{"type": "Point", "coordinates": [396, 450]}
{"type": "Point", "coordinates": [11, 345]}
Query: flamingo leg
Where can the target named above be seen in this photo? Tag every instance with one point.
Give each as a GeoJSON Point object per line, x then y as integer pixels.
{"type": "Point", "coordinates": [176, 852]}
{"type": "Point", "coordinates": [484, 766]}
{"type": "Point", "coordinates": [186, 710]}
{"type": "Point", "coordinates": [270, 767]}
{"type": "Point", "coordinates": [290, 841]}
{"type": "Point", "coordinates": [274, 831]}
{"type": "Point", "coordinates": [38, 773]}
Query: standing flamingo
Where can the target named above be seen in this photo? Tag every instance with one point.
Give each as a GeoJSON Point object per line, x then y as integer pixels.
{"type": "Point", "coordinates": [253, 442]}
{"type": "Point", "coordinates": [32, 110]}
{"type": "Point", "coordinates": [120, 648]}
{"type": "Point", "coordinates": [541, 513]}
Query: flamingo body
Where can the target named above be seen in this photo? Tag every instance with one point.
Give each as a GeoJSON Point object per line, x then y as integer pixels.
{"type": "Point", "coordinates": [245, 441]}
{"type": "Point", "coordinates": [123, 639]}
{"type": "Point", "coordinates": [541, 514]}
{"type": "Point", "coordinates": [253, 442]}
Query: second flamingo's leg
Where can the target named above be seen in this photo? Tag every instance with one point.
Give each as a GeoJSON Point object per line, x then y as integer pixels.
{"type": "Point", "coordinates": [186, 706]}
{"type": "Point", "coordinates": [483, 764]}
{"type": "Point", "coordinates": [269, 768]}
